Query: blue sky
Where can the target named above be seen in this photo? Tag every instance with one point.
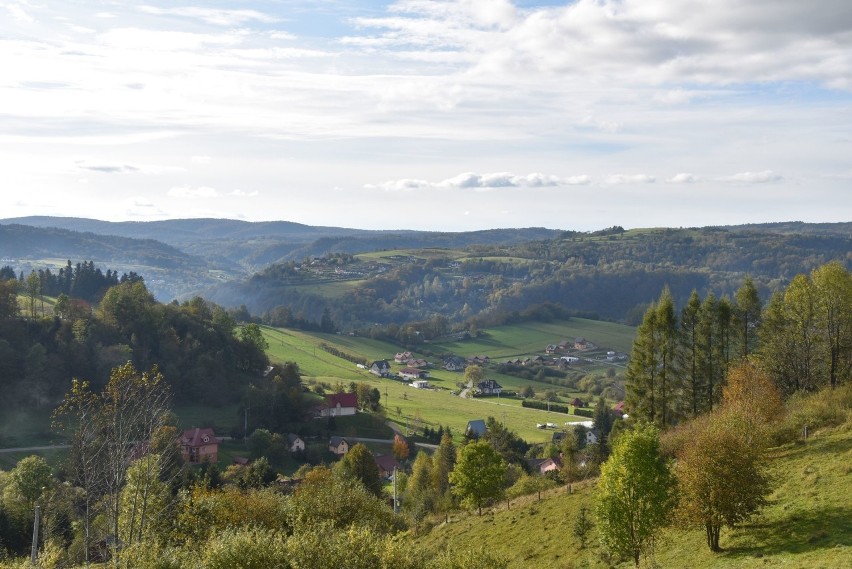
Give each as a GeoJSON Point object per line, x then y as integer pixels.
{"type": "Point", "coordinates": [436, 115]}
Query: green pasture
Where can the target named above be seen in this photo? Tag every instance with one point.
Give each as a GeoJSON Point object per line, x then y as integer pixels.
{"type": "Point", "coordinates": [414, 409]}
{"type": "Point", "coordinates": [516, 340]}
{"type": "Point", "coordinates": [807, 523]}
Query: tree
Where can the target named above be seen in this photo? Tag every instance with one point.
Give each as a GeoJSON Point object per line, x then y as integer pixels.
{"type": "Point", "coordinates": [635, 493]}
{"type": "Point", "coordinates": [478, 475]}
{"type": "Point", "coordinates": [833, 284]}
{"type": "Point", "coordinates": [650, 381]}
{"type": "Point", "coordinates": [106, 427]}
{"type": "Point", "coordinates": [360, 464]}
{"type": "Point", "coordinates": [31, 477]}
{"type": "Point", "coordinates": [747, 311]}
{"type": "Point", "coordinates": [251, 334]}
{"type": "Point", "coordinates": [582, 526]}
{"type": "Point", "coordinates": [443, 462]}
{"type": "Point", "coordinates": [473, 374]}
{"type": "Point", "coordinates": [8, 299]}
{"type": "Point", "coordinates": [721, 473]}
{"type": "Point", "coordinates": [688, 354]}
{"type": "Point", "coordinates": [602, 421]}
{"type": "Point", "coordinates": [400, 448]}
{"type": "Point", "coordinates": [144, 501]}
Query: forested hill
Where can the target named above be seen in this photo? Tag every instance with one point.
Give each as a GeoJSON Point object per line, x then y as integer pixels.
{"type": "Point", "coordinates": [234, 245]}
{"type": "Point", "coordinates": [613, 274]}
{"type": "Point", "coordinates": [33, 242]}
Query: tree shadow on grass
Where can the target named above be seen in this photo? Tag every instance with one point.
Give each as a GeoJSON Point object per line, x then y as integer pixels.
{"type": "Point", "coordinates": [799, 532]}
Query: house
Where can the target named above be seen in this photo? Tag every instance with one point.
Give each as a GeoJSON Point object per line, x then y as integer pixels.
{"type": "Point", "coordinates": [570, 359]}
{"type": "Point", "coordinates": [489, 387]}
{"type": "Point", "coordinates": [577, 402]}
{"type": "Point", "coordinates": [475, 428]}
{"type": "Point", "coordinates": [550, 465]}
{"type": "Point", "coordinates": [580, 344]}
{"type": "Point", "coordinates": [551, 348]}
{"type": "Point", "coordinates": [420, 384]}
{"type": "Point", "coordinates": [591, 437]}
{"type": "Point", "coordinates": [402, 357]}
{"type": "Point", "coordinates": [337, 405]}
{"type": "Point", "coordinates": [199, 445]}
{"type": "Point", "coordinates": [242, 460]}
{"type": "Point", "coordinates": [386, 464]}
{"type": "Point", "coordinates": [413, 373]}
{"type": "Point", "coordinates": [454, 363]}
{"type": "Point", "coordinates": [610, 355]}
{"type": "Point", "coordinates": [380, 368]}
{"type": "Point", "coordinates": [295, 442]}
{"type": "Point", "coordinates": [417, 362]}
{"type": "Point", "coordinates": [338, 445]}
{"type": "Point", "coordinates": [618, 409]}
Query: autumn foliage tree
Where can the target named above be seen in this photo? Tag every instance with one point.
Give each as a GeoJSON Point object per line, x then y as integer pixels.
{"type": "Point", "coordinates": [721, 467]}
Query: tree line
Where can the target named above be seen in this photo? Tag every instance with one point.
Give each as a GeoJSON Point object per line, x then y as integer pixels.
{"type": "Point", "coordinates": [802, 338]}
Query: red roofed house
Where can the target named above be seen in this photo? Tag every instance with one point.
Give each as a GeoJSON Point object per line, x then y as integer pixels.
{"type": "Point", "coordinates": [386, 463]}
{"type": "Point", "coordinates": [199, 445]}
{"type": "Point", "coordinates": [337, 405]}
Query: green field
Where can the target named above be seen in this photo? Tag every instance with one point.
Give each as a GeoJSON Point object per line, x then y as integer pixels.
{"type": "Point", "coordinates": [808, 523]}
{"type": "Point", "coordinates": [414, 408]}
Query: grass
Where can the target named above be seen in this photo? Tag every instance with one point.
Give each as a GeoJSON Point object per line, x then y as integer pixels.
{"type": "Point", "coordinates": [808, 523]}
{"type": "Point", "coordinates": [406, 406]}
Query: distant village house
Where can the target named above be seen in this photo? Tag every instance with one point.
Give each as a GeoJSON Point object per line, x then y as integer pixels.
{"type": "Point", "coordinates": [199, 445]}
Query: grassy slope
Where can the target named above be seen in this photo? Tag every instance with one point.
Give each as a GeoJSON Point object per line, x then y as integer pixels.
{"type": "Point", "coordinates": [437, 407]}
{"type": "Point", "coordinates": [808, 523]}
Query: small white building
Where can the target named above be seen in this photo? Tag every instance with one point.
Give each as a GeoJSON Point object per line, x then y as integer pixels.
{"type": "Point", "coordinates": [420, 384]}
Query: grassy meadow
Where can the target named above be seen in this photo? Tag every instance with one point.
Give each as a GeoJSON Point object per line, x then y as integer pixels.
{"type": "Point", "coordinates": [414, 409]}
{"type": "Point", "coordinates": [808, 523]}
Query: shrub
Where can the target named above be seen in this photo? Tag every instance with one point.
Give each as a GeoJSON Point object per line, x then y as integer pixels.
{"type": "Point", "coordinates": [247, 548]}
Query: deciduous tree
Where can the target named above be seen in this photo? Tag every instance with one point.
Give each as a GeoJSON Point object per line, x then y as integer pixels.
{"type": "Point", "coordinates": [635, 493]}
{"type": "Point", "coordinates": [478, 475]}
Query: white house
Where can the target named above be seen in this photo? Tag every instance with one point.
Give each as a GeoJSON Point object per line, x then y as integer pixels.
{"type": "Point", "coordinates": [420, 384]}
{"type": "Point", "coordinates": [296, 442]}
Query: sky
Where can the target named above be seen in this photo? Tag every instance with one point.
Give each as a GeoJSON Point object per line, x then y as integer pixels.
{"type": "Point", "coordinates": [429, 115]}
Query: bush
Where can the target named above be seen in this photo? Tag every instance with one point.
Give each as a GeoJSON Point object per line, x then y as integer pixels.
{"type": "Point", "coordinates": [826, 408]}
{"type": "Point", "coordinates": [584, 413]}
{"type": "Point", "coordinates": [555, 407]}
{"type": "Point", "coordinates": [248, 548]}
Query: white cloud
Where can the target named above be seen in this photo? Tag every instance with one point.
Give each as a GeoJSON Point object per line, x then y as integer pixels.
{"type": "Point", "coordinates": [211, 15]}
{"type": "Point", "coordinates": [615, 179]}
{"type": "Point", "coordinates": [683, 178]}
{"type": "Point", "coordinates": [190, 192]}
{"type": "Point", "coordinates": [764, 177]}
{"type": "Point", "coordinates": [494, 180]}
{"type": "Point", "coordinates": [106, 168]}
{"type": "Point", "coordinates": [141, 207]}
{"type": "Point", "coordinates": [245, 194]}
{"type": "Point", "coordinates": [18, 13]}
{"type": "Point", "coordinates": [200, 159]}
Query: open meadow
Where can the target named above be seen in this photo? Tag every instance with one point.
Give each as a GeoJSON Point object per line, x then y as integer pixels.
{"type": "Point", "coordinates": [414, 409]}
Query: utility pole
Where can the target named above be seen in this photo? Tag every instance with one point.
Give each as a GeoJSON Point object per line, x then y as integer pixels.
{"type": "Point", "coordinates": [395, 503]}
{"type": "Point", "coordinates": [34, 551]}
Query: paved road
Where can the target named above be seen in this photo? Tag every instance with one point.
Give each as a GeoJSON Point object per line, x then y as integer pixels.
{"type": "Point", "coordinates": [33, 449]}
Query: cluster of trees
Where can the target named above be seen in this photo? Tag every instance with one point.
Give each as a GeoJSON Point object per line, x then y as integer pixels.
{"type": "Point", "coordinates": [125, 496]}
{"type": "Point", "coordinates": [719, 478]}
{"type": "Point", "coordinates": [196, 345]}
{"type": "Point", "coordinates": [802, 338]}
{"type": "Point", "coordinates": [714, 381]}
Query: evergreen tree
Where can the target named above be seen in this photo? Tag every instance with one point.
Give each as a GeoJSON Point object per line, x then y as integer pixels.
{"type": "Point", "coordinates": [747, 312]}
{"type": "Point", "coordinates": [688, 356]}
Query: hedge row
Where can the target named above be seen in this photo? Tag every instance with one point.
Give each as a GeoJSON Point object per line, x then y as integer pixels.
{"type": "Point", "coordinates": [535, 404]}
{"type": "Point", "coordinates": [584, 413]}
